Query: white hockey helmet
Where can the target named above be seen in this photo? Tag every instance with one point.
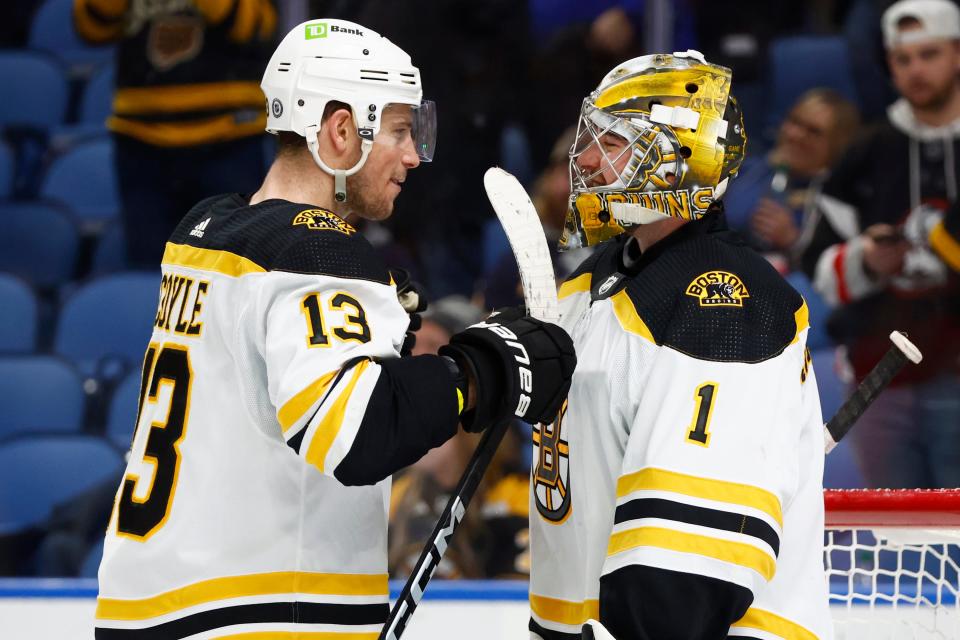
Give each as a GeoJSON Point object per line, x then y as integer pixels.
{"type": "Point", "coordinates": [323, 60]}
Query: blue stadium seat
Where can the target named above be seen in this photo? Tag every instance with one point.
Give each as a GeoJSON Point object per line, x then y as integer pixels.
{"type": "Point", "coordinates": [84, 178]}
{"type": "Point", "coordinates": [39, 242]}
{"type": "Point", "coordinates": [52, 31]}
{"type": "Point", "coordinates": [39, 472]}
{"type": "Point", "coordinates": [18, 316]}
{"type": "Point", "coordinates": [800, 63]}
{"type": "Point", "coordinates": [105, 325]}
{"type": "Point", "coordinates": [110, 254]}
{"type": "Point", "coordinates": [96, 103]}
{"type": "Point", "coordinates": [36, 88]}
{"type": "Point", "coordinates": [495, 244]}
{"type": "Point", "coordinates": [7, 169]}
{"type": "Point", "coordinates": [122, 415]}
{"type": "Point", "coordinates": [39, 394]}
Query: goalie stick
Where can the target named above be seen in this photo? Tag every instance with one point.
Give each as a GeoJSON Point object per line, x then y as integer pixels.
{"type": "Point", "coordinates": [873, 383]}
{"type": "Point", "coordinates": [522, 225]}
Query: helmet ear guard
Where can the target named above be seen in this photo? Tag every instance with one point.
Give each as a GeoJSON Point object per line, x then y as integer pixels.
{"type": "Point", "coordinates": [686, 139]}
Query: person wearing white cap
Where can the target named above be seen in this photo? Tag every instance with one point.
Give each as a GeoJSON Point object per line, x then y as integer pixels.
{"type": "Point", "coordinates": [883, 254]}
{"type": "Point", "coordinates": [275, 404]}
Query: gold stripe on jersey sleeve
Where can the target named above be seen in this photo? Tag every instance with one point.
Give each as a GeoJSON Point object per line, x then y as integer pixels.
{"type": "Point", "coordinates": [295, 407]}
{"type": "Point", "coordinates": [802, 317]}
{"type": "Point", "coordinates": [774, 624]}
{"type": "Point", "coordinates": [329, 427]}
{"type": "Point", "coordinates": [300, 635]}
{"type": "Point", "coordinates": [564, 611]}
{"type": "Point", "coordinates": [738, 553]}
{"type": "Point", "coordinates": [653, 479]}
{"type": "Point", "coordinates": [187, 97]}
{"type": "Point", "coordinates": [186, 133]}
{"type": "Point", "coordinates": [627, 314]}
{"type": "Point", "coordinates": [945, 245]}
{"type": "Point", "coordinates": [224, 262]}
{"type": "Point", "coordinates": [576, 285]}
{"type": "Point", "coordinates": [258, 584]}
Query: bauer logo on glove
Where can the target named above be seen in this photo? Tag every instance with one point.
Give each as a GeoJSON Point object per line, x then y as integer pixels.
{"type": "Point", "coordinates": [521, 367]}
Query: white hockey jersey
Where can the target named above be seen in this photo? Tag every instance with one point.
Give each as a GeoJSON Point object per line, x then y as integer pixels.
{"type": "Point", "coordinates": [679, 492]}
{"type": "Point", "coordinates": [270, 383]}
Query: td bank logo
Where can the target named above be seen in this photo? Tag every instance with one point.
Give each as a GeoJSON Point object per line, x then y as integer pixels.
{"type": "Point", "coordinates": [320, 30]}
{"type": "Point", "coordinates": [316, 30]}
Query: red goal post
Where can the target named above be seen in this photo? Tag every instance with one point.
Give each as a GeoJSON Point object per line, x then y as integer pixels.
{"type": "Point", "coordinates": [891, 558]}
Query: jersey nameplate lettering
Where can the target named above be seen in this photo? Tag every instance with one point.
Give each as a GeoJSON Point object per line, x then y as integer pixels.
{"type": "Point", "coordinates": [718, 289]}
{"type": "Point", "coordinates": [320, 220]}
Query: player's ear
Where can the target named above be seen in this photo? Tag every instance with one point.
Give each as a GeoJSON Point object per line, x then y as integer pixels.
{"type": "Point", "coordinates": [339, 130]}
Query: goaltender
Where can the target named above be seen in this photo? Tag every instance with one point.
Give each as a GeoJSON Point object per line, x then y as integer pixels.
{"type": "Point", "coordinates": [678, 494]}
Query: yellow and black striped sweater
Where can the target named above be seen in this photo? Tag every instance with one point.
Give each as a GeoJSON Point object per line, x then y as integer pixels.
{"type": "Point", "coordinates": [188, 71]}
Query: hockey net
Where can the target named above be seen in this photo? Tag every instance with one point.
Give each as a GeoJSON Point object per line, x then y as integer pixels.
{"type": "Point", "coordinates": [892, 558]}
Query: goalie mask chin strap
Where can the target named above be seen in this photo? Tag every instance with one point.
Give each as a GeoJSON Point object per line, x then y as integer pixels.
{"type": "Point", "coordinates": [339, 175]}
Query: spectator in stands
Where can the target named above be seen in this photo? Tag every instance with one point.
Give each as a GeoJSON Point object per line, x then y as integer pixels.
{"type": "Point", "coordinates": [773, 199]}
{"type": "Point", "coordinates": [870, 254]}
{"type": "Point", "coordinates": [491, 542]}
{"type": "Point", "coordinates": [188, 115]}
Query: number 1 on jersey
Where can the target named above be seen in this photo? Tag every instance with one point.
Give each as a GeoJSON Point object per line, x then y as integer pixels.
{"type": "Point", "coordinates": [699, 429]}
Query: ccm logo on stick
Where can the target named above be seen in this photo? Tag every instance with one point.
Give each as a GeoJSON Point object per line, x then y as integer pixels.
{"type": "Point", "coordinates": [526, 376]}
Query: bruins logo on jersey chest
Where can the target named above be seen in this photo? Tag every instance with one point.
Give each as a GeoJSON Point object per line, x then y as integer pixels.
{"type": "Point", "coordinates": [321, 219]}
{"type": "Point", "coordinates": [718, 289]}
{"type": "Point", "coordinates": [551, 475]}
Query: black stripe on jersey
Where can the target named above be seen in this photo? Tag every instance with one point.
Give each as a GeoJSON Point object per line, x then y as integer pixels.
{"type": "Point", "coordinates": [702, 516]}
{"type": "Point", "coordinates": [296, 440]}
{"type": "Point", "coordinates": [743, 638]}
{"type": "Point", "coordinates": [547, 634]}
{"type": "Point", "coordinates": [639, 601]}
{"type": "Point", "coordinates": [273, 612]}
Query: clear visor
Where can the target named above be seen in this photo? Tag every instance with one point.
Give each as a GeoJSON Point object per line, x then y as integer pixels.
{"type": "Point", "coordinates": [418, 129]}
{"type": "Point", "coordinates": [424, 129]}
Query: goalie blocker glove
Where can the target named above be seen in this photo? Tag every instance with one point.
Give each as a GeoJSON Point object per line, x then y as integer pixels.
{"type": "Point", "coordinates": [521, 367]}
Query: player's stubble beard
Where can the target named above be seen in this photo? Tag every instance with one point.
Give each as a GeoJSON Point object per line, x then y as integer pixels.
{"type": "Point", "coordinates": [366, 200]}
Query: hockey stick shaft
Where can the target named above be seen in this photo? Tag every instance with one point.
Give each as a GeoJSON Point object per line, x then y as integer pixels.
{"type": "Point", "coordinates": [443, 532]}
{"type": "Point", "coordinates": [882, 374]}
{"type": "Point", "coordinates": [519, 219]}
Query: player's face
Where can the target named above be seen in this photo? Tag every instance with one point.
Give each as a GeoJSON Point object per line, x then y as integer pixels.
{"type": "Point", "coordinates": [804, 141]}
{"type": "Point", "coordinates": [925, 73]}
{"type": "Point", "coordinates": [603, 163]}
{"type": "Point", "coordinates": [379, 182]}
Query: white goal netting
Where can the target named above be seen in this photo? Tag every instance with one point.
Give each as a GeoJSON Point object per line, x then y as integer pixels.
{"type": "Point", "coordinates": [892, 558]}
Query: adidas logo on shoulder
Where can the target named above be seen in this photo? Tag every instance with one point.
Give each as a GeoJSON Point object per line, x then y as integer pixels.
{"type": "Point", "coordinates": [200, 228]}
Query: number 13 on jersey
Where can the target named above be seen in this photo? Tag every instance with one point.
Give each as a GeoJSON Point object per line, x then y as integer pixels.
{"type": "Point", "coordinates": [145, 503]}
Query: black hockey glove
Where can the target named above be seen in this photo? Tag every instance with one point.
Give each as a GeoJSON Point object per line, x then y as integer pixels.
{"type": "Point", "coordinates": [414, 302]}
{"type": "Point", "coordinates": [521, 367]}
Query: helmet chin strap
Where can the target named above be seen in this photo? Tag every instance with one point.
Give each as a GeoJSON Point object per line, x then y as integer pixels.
{"type": "Point", "coordinates": [339, 175]}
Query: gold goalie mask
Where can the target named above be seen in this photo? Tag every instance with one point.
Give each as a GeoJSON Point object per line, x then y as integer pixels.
{"type": "Point", "coordinates": [660, 136]}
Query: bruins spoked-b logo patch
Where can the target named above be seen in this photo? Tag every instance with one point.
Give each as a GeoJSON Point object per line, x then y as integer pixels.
{"type": "Point", "coordinates": [718, 289]}
{"type": "Point", "coordinates": [321, 219]}
{"type": "Point", "coordinates": [551, 475]}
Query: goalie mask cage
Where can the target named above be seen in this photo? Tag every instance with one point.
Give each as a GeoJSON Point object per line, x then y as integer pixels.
{"type": "Point", "coordinates": [892, 558]}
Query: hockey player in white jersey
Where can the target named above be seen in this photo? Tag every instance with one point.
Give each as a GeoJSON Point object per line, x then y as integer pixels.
{"type": "Point", "coordinates": [274, 405]}
{"type": "Point", "coordinates": [678, 494]}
